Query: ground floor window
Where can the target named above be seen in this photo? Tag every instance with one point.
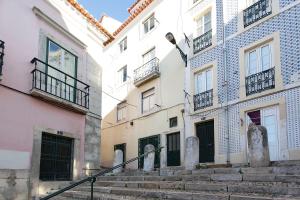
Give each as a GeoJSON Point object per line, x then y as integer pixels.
{"type": "Point", "coordinates": [56, 158]}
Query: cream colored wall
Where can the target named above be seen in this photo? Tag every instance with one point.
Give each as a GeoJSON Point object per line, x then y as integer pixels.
{"type": "Point", "coordinates": [168, 87]}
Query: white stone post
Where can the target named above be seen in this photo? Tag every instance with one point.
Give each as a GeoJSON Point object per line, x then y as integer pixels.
{"type": "Point", "coordinates": [149, 158]}
{"type": "Point", "coordinates": [118, 159]}
{"type": "Point", "coordinates": [258, 146]}
{"type": "Point", "coordinates": [191, 153]}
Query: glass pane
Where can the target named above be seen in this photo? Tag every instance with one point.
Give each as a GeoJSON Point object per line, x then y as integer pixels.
{"type": "Point", "coordinates": [209, 80]}
{"type": "Point", "coordinates": [197, 88]}
{"type": "Point", "coordinates": [199, 26]}
{"type": "Point", "coordinates": [151, 102]}
{"type": "Point", "coordinates": [207, 22]}
{"type": "Point", "coordinates": [254, 117]}
{"type": "Point", "coordinates": [146, 27]}
{"type": "Point", "coordinates": [145, 104]}
{"type": "Point", "coordinates": [265, 57]}
{"type": "Point", "coordinates": [202, 84]}
{"type": "Point", "coordinates": [152, 22]}
{"type": "Point", "coordinates": [124, 74]}
{"type": "Point", "coordinates": [252, 67]}
{"type": "Point", "coordinates": [149, 56]}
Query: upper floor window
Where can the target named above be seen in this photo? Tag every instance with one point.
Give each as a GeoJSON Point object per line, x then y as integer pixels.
{"type": "Point", "coordinates": [61, 59]}
{"type": "Point", "coordinates": [121, 111]}
{"type": "Point", "coordinates": [122, 75]}
{"type": "Point", "coordinates": [203, 89]}
{"type": "Point", "coordinates": [204, 24]}
{"type": "Point", "coordinates": [123, 45]}
{"type": "Point", "coordinates": [259, 59]}
{"type": "Point", "coordinates": [150, 55]}
{"type": "Point", "coordinates": [203, 81]}
{"type": "Point", "coordinates": [148, 101]}
{"type": "Point", "coordinates": [260, 73]}
{"type": "Point", "coordinates": [149, 24]}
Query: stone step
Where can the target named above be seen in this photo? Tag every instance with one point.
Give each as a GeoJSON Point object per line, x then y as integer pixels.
{"type": "Point", "coordinates": [232, 187]}
{"type": "Point", "coordinates": [179, 195]}
{"type": "Point", "coordinates": [210, 177]}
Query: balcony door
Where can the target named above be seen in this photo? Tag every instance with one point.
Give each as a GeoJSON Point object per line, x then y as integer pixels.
{"type": "Point", "coordinates": [267, 117]}
{"type": "Point", "coordinates": [60, 78]}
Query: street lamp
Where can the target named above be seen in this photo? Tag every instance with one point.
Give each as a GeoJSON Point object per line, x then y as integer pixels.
{"type": "Point", "coordinates": [170, 37]}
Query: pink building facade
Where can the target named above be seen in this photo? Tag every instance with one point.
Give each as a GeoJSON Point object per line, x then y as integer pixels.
{"type": "Point", "coordinates": [50, 95]}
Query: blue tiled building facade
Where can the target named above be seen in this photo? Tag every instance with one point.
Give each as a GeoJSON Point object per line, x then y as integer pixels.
{"type": "Point", "coordinates": [257, 78]}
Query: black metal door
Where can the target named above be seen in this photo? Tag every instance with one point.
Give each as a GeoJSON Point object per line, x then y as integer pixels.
{"type": "Point", "coordinates": [56, 158]}
{"type": "Point", "coordinates": [205, 133]}
{"type": "Point", "coordinates": [123, 148]}
{"type": "Point", "coordinates": [173, 149]}
{"type": "Point", "coordinates": [155, 141]}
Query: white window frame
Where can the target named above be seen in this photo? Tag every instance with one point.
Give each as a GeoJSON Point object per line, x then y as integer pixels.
{"type": "Point", "coordinates": [259, 60]}
{"type": "Point", "coordinates": [202, 78]}
{"type": "Point", "coordinates": [150, 54]}
{"type": "Point", "coordinates": [200, 23]}
{"type": "Point", "coordinates": [148, 97]}
{"type": "Point", "coordinates": [123, 45]}
{"type": "Point", "coordinates": [147, 23]}
{"type": "Point", "coordinates": [121, 111]}
{"type": "Point", "coordinates": [121, 75]}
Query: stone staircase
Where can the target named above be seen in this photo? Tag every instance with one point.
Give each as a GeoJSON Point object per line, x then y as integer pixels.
{"type": "Point", "coordinates": [279, 182]}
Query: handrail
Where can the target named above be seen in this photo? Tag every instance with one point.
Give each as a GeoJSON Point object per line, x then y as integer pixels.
{"type": "Point", "coordinates": [36, 59]}
{"type": "Point", "coordinates": [92, 179]}
{"type": "Point", "coordinates": [150, 61]}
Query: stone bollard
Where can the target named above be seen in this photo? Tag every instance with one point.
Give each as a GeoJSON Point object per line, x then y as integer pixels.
{"type": "Point", "coordinates": [118, 159]}
{"type": "Point", "coordinates": [191, 152]}
{"type": "Point", "coordinates": [149, 158]}
{"type": "Point", "coordinates": [258, 146]}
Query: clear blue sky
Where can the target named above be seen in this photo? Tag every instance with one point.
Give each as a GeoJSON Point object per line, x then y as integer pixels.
{"type": "Point", "coordinates": [114, 8]}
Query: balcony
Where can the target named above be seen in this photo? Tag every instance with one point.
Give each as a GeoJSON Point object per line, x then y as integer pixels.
{"type": "Point", "coordinates": [147, 72]}
{"type": "Point", "coordinates": [203, 100]}
{"type": "Point", "coordinates": [1, 55]}
{"type": "Point", "coordinates": [257, 11]}
{"type": "Point", "coordinates": [261, 81]}
{"type": "Point", "coordinates": [52, 84]}
{"type": "Point", "coordinates": [202, 42]}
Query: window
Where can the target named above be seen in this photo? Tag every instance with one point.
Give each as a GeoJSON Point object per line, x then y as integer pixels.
{"type": "Point", "coordinates": [149, 24]}
{"type": "Point", "coordinates": [148, 100]}
{"type": "Point", "coordinates": [63, 60]}
{"type": "Point", "coordinates": [121, 111]}
{"type": "Point", "coordinates": [123, 45]}
{"type": "Point", "coordinates": [204, 24]}
{"type": "Point", "coordinates": [173, 122]}
{"type": "Point", "coordinates": [203, 81]}
{"type": "Point", "coordinates": [259, 59]}
{"type": "Point", "coordinates": [149, 56]}
{"type": "Point", "coordinates": [122, 75]}
{"type": "Point", "coordinates": [56, 158]}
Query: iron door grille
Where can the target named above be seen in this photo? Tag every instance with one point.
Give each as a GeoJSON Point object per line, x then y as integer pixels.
{"type": "Point", "coordinates": [56, 158]}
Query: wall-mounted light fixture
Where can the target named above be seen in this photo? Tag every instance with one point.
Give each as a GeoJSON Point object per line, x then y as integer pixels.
{"type": "Point", "coordinates": [170, 37]}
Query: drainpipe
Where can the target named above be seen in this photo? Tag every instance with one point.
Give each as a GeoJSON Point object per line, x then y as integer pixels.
{"type": "Point", "coordinates": [225, 84]}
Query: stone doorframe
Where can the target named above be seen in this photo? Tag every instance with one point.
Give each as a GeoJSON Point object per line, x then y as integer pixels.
{"type": "Point", "coordinates": [36, 186]}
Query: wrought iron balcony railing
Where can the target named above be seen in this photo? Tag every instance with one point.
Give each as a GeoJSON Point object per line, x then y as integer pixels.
{"type": "Point", "coordinates": [146, 72]}
{"type": "Point", "coordinates": [48, 79]}
{"type": "Point", "coordinates": [203, 100]}
{"type": "Point", "coordinates": [202, 42]}
{"type": "Point", "coordinates": [257, 11]}
{"type": "Point", "coordinates": [1, 55]}
{"type": "Point", "coordinates": [261, 81]}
